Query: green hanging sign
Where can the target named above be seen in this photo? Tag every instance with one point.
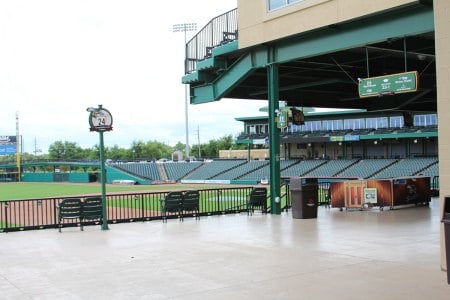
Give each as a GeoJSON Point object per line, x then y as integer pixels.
{"type": "Point", "coordinates": [388, 84]}
{"type": "Point", "coordinates": [282, 119]}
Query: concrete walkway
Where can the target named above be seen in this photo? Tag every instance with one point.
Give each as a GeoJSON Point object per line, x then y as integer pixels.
{"type": "Point", "coordinates": [367, 254]}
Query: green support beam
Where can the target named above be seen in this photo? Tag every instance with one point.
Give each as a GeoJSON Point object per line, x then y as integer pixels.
{"type": "Point", "coordinates": [357, 34]}
{"type": "Point", "coordinates": [274, 140]}
{"type": "Point", "coordinates": [235, 74]}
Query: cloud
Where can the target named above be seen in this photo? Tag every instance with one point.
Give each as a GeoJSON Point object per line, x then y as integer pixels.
{"type": "Point", "coordinates": [59, 57]}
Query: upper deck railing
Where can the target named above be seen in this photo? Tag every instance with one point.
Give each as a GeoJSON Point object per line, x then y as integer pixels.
{"type": "Point", "coordinates": [220, 30]}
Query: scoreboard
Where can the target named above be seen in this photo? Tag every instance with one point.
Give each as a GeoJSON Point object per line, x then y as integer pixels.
{"type": "Point", "coordinates": [8, 144]}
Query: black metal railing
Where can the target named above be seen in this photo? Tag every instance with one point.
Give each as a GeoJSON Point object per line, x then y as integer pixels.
{"type": "Point", "coordinates": [29, 214]}
{"type": "Point", "coordinates": [435, 186]}
{"type": "Point", "coordinates": [16, 215]}
{"type": "Point", "coordinates": [220, 30]}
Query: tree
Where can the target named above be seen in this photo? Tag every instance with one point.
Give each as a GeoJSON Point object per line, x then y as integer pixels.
{"type": "Point", "coordinates": [116, 153]}
{"type": "Point", "coordinates": [65, 150]}
{"type": "Point", "coordinates": [179, 147]}
{"type": "Point", "coordinates": [211, 149]}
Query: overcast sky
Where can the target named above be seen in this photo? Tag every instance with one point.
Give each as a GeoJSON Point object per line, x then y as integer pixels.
{"type": "Point", "coordinates": [58, 57]}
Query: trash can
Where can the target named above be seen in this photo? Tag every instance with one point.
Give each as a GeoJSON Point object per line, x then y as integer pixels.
{"type": "Point", "coordinates": [446, 221]}
{"type": "Point", "coordinates": [304, 192]}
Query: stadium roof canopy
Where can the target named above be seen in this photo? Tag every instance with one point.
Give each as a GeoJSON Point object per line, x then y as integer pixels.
{"type": "Point", "coordinates": [322, 68]}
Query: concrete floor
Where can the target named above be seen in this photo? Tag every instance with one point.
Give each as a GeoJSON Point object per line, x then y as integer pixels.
{"type": "Point", "coordinates": [367, 254]}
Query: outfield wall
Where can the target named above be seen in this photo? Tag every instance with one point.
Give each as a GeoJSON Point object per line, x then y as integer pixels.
{"type": "Point", "coordinates": [37, 177]}
{"type": "Point", "coordinates": [53, 177]}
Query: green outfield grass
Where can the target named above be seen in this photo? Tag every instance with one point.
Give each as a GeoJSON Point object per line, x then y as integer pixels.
{"type": "Point", "coordinates": [33, 190]}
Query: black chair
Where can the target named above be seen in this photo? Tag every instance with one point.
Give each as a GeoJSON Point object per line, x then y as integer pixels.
{"type": "Point", "coordinates": [257, 199]}
{"type": "Point", "coordinates": [92, 210]}
{"type": "Point", "coordinates": [190, 203]}
{"type": "Point", "coordinates": [69, 208]}
{"type": "Point", "coordinates": [171, 203]}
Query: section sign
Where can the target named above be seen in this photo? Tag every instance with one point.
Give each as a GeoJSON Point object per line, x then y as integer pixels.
{"type": "Point", "coordinates": [388, 84]}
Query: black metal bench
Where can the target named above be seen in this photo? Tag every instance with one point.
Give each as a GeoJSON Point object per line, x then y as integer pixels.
{"type": "Point", "coordinates": [75, 208]}
{"type": "Point", "coordinates": [179, 203]}
{"type": "Point", "coordinates": [257, 199]}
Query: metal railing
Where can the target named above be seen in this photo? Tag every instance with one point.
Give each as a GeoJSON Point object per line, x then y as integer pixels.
{"type": "Point", "coordinates": [435, 186]}
{"type": "Point", "coordinates": [220, 30]}
{"type": "Point", "coordinates": [17, 215]}
{"type": "Point", "coordinates": [29, 214]}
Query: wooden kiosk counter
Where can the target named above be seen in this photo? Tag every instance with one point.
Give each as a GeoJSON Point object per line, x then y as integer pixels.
{"type": "Point", "coordinates": [388, 192]}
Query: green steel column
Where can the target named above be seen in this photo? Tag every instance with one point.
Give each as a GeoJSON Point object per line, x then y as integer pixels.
{"type": "Point", "coordinates": [103, 182]}
{"type": "Point", "coordinates": [274, 141]}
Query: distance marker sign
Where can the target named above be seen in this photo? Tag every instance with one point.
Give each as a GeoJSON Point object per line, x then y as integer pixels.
{"type": "Point", "coordinates": [100, 120]}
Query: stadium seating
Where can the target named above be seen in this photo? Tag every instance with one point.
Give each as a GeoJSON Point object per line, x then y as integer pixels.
{"type": "Point", "coordinates": [302, 168]}
{"type": "Point", "coordinates": [241, 170]}
{"type": "Point", "coordinates": [146, 170]}
{"type": "Point", "coordinates": [366, 168]}
{"type": "Point", "coordinates": [209, 170]}
{"type": "Point", "coordinates": [264, 172]}
{"type": "Point", "coordinates": [258, 170]}
{"type": "Point", "coordinates": [406, 167]}
{"type": "Point", "coordinates": [178, 170]}
{"type": "Point", "coordinates": [331, 168]}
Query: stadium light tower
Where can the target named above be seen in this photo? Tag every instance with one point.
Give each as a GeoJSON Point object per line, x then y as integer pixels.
{"type": "Point", "coordinates": [185, 27]}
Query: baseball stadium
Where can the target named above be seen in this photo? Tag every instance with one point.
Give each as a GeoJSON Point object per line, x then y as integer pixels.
{"type": "Point", "coordinates": [340, 192]}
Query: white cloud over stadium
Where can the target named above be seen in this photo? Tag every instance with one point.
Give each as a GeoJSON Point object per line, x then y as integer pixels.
{"type": "Point", "coordinates": [59, 57]}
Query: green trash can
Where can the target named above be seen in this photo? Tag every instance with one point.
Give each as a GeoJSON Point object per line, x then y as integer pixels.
{"type": "Point", "coordinates": [304, 194]}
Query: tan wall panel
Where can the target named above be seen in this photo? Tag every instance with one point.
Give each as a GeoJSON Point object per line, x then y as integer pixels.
{"type": "Point", "coordinates": [442, 40]}
{"type": "Point", "coordinates": [260, 154]}
{"type": "Point", "coordinates": [257, 26]}
{"type": "Point", "coordinates": [349, 8]}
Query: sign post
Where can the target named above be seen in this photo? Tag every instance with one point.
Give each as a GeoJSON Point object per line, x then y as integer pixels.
{"type": "Point", "coordinates": [100, 120]}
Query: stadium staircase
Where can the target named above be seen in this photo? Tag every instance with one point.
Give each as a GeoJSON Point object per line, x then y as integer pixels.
{"type": "Point", "coordinates": [162, 172]}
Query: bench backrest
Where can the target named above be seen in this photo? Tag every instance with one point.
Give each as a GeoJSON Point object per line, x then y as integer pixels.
{"type": "Point", "coordinates": [70, 208]}
{"type": "Point", "coordinates": [172, 202]}
{"type": "Point", "coordinates": [191, 200]}
{"type": "Point", "coordinates": [92, 208]}
{"type": "Point", "coordinates": [258, 196]}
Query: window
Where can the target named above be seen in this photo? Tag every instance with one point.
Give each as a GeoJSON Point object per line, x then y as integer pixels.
{"type": "Point", "coordinates": [310, 126]}
{"type": "Point", "coordinates": [331, 125]}
{"type": "Point", "coordinates": [354, 124]}
{"type": "Point", "coordinates": [275, 4]}
{"type": "Point", "coordinates": [396, 122]}
{"type": "Point", "coordinates": [316, 125]}
{"type": "Point", "coordinates": [425, 120]}
{"type": "Point", "coordinates": [295, 128]}
{"type": "Point", "coordinates": [376, 123]}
